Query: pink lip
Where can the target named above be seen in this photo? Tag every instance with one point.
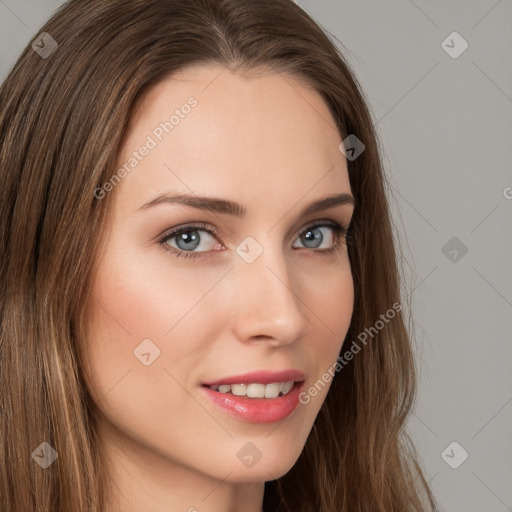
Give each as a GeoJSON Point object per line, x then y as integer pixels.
{"type": "Point", "coordinates": [260, 377]}
{"type": "Point", "coordinates": [257, 410]}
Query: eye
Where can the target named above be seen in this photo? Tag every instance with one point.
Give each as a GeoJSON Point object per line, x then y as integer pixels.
{"type": "Point", "coordinates": [188, 238]}
{"type": "Point", "coordinates": [191, 240]}
{"type": "Point", "coordinates": [314, 236]}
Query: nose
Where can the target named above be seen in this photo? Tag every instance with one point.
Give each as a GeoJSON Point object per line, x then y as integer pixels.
{"type": "Point", "coordinates": [269, 306]}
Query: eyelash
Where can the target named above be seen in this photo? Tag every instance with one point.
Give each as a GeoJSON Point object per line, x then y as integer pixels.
{"type": "Point", "coordinates": [341, 232]}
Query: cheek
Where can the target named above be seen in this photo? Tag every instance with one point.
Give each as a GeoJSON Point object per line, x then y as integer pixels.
{"type": "Point", "coordinates": [148, 297]}
{"type": "Point", "coordinates": [332, 307]}
{"type": "Point", "coordinates": [146, 321]}
{"type": "Point", "coordinates": [329, 296]}
{"type": "Point", "coordinates": [129, 307]}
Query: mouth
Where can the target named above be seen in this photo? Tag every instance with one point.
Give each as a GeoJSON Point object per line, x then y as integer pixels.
{"type": "Point", "coordinates": [257, 397]}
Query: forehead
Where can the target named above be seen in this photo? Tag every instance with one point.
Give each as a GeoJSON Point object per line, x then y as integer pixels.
{"type": "Point", "coordinates": [246, 132]}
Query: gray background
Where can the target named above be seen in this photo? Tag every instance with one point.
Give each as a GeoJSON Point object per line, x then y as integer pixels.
{"type": "Point", "coordinates": [445, 125]}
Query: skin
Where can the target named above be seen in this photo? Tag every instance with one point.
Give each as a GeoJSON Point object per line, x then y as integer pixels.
{"type": "Point", "coordinates": [266, 141]}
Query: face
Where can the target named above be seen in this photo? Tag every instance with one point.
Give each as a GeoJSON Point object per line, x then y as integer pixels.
{"type": "Point", "coordinates": [251, 299]}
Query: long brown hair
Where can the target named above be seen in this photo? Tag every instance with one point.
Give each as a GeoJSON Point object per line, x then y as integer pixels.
{"type": "Point", "coordinates": [62, 120]}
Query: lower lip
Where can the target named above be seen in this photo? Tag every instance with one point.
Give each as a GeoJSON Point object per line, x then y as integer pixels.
{"type": "Point", "coordinates": [257, 410]}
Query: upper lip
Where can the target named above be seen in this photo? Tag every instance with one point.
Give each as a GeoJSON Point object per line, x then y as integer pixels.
{"type": "Point", "coordinates": [260, 377]}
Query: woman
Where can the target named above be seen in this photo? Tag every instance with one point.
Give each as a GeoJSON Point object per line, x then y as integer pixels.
{"type": "Point", "coordinates": [200, 295]}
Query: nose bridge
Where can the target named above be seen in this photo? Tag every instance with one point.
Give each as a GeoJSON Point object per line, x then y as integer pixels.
{"type": "Point", "coordinates": [269, 303]}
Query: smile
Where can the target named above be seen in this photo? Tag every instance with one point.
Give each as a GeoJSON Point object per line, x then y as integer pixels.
{"type": "Point", "coordinates": [255, 390]}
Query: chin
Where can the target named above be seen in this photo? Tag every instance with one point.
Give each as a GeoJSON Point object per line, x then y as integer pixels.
{"type": "Point", "coordinates": [264, 459]}
{"type": "Point", "coordinates": [263, 471]}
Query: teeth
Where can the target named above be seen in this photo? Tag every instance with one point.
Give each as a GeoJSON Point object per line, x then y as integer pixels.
{"type": "Point", "coordinates": [272, 390]}
{"type": "Point", "coordinates": [239, 389]}
{"type": "Point", "coordinates": [287, 387]}
{"type": "Point", "coordinates": [255, 390]}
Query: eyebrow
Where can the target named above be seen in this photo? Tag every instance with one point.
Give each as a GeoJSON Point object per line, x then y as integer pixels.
{"type": "Point", "coordinates": [224, 206]}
